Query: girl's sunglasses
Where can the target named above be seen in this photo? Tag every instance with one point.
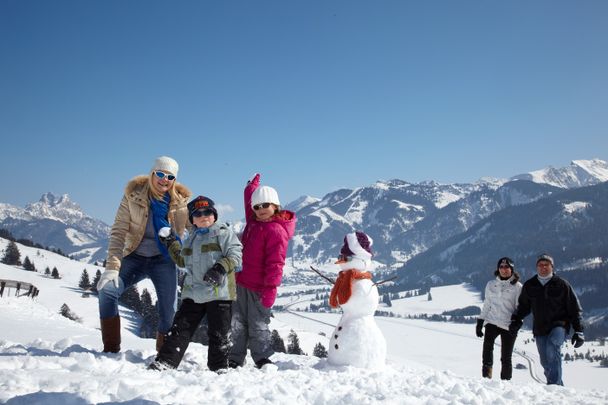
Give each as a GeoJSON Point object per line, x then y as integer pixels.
{"type": "Point", "coordinates": [162, 175]}
{"type": "Point", "coordinates": [262, 205]}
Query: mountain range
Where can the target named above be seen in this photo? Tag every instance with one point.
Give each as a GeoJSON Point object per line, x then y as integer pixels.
{"type": "Point", "coordinates": [57, 222]}
{"type": "Point", "coordinates": [404, 219]}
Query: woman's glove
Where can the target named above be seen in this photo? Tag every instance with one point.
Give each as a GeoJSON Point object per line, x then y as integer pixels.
{"type": "Point", "coordinates": [479, 327]}
{"type": "Point", "coordinates": [107, 276]}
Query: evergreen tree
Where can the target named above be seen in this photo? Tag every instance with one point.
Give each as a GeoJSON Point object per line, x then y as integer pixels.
{"type": "Point", "coordinates": [55, 273]}
{"type": "Point", "coordinates": [293, 345]}
{"type": "Point", "coordinates": [130, 298]}
{"type": "Point", "coordinates": [277, 342]}
{"type": "Point", "coordinates": [95, 281]}
{"type": "Point", "coordinates": [47, 271]}
{"type": "Point", "coordinates": [28, 265]}
{"type": "Point", "coordinates": [67, 312]}
{"type": "Point", "coordinates": [84, 283]}
{"type": "Point", "coordinates": [429, 297]}
{"type": "Point", "coordinates": [149, 324]}
{"type": "Point", "coordinates": [12, 256]}
{"type": "Point", "coordinates": [387, 300]}
{"type": "Point", "coordinates": [319, 351]}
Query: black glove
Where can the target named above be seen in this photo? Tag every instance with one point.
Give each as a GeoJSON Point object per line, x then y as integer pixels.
{"type": "Point", "coordinates": [478, 329]}
{"type": "Point", "coordinates": [514, 326]}
{"type": "Point", "coordinates": [166, 236]}
{"type": "Point", "coordinates": [215, 275]}
{"type": "Point", "coordinates": [578, 339]}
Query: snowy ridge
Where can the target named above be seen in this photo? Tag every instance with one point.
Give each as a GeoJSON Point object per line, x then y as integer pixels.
{"type": "Point", "coordinates": [580, 173]}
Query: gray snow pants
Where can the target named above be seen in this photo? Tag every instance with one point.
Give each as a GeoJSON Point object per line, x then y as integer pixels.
{"type": "Point", "coordinates": [250, 321]}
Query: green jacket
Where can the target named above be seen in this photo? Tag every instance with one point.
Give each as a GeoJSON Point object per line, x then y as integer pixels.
{"type": "Point", "coordinates": [199, 253]}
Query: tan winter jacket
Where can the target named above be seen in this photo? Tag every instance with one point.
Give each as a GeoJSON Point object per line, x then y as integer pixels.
{"type": "Point", "coordinates": [132, 216]}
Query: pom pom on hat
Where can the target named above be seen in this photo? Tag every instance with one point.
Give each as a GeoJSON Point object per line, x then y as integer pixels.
{"type": "Point", "coordinates": [357, 244]}
{"type": "Point", "coordinates": [201, 203]}
{"type": "Point", "coordinates": [166, 164]}
{"type": "Point", "coordinates": [265, 194]}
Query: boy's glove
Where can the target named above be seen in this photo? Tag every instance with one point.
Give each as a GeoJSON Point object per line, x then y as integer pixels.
{"type": "Point", "coordinates": [107, 276]}
{"type": "Point", "coordinates": [215, 275]}
{"type": "Point", "coordinates": [578, 339]}
{"type": "Point", "coordinates": [166, 236]}
{"type": "Point", "coordinates": [478, 328]}
{"type": "Point", "coordinates": [515, 325]}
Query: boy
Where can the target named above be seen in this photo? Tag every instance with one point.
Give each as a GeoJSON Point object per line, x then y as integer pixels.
{"type": "Point", "coordinates": [210, 255]}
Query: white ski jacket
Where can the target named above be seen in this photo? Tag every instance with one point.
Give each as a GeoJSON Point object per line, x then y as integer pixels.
{"type": "Point", "coordinates": [500, 302]}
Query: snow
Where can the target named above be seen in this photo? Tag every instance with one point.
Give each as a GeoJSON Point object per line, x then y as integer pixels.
{"type": "Point", "coordinates": [577, 206]}
{"type": "Point", "coordinates": [48, 359]}
{"type": "Point", "coordinates": [78, 238]}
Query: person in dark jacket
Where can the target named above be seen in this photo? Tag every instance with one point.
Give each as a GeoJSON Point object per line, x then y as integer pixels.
{"type": "Point", "coordinates": [555, 309]}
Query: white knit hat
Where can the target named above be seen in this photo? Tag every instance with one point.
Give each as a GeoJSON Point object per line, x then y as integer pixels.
{"type": "Point", "coordinates": [265, 194]}
{"type": "Point", "coordinates": [167, 164]}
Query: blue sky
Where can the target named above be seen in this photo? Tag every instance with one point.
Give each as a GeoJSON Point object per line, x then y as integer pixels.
{"type": "Point", "coordinates": [315, 95]}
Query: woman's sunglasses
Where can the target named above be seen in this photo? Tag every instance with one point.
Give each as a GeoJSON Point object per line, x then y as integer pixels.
{"type": "Point", "coordinates": [202, 213]}
{"type": "Point", "coordinates": [162, 175]}
{"type": "Point", "coordinates": [262, 205]}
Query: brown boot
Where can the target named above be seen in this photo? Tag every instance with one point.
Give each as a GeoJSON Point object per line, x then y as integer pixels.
{"type": "Point", "coordinates": [160, 339]}
{"type": "Point", "coordinates": [486, 371]}
{"type": "Point", "coordinates": [110, 334]}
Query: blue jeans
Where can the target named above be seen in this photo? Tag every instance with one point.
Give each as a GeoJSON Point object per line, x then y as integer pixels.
{"type": "Point", "coordinates": [135, 268]}
{"type": "Point", "coordinates": [549, 349]}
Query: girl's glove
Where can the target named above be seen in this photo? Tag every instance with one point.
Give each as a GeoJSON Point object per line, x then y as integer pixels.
{"type": "Point", "coordinates": [268, 296]}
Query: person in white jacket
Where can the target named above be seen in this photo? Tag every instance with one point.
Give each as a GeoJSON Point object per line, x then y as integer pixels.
{"type": "Point", "coordinates": [500, 302]}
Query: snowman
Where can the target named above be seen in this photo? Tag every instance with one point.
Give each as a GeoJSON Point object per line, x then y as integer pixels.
{"type": "Point", "coordinates": [357, 341]}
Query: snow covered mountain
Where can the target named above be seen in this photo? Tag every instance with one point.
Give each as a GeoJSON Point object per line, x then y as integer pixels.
{"type": "Point", "coordinates": [405, 219]}
{"type": "Point", "coordinates": [57, 222]}
{"type": "Point", "coordinates": [580, 173]}
{"type": "Point", "coordinates": [570, 226]}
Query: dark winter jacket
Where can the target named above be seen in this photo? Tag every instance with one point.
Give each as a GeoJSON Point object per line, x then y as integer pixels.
{"type": "Point", "coordinates": [554, 304]}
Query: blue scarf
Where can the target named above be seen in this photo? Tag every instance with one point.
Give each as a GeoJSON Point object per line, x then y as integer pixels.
{"type": "Point", "coordinates": [159, 210]}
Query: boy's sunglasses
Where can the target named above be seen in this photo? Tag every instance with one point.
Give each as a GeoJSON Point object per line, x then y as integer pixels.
{"type": "Point", "coordinates": [202, 213]}
{"type": "Point", "coordinates": [162, 175]}
{"type": "Point", "coordinates": [262, 205]}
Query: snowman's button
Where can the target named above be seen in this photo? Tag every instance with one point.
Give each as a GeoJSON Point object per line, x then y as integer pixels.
{"type": "Point", "coordinates": [339, 328]}
{"type": "Point", "coordinates": [336, 336]}
{"type": "Point", "coordinates": [336, 346]}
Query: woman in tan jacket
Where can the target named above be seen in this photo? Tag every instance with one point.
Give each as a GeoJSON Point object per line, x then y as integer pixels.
{"type": "Point", "coordinates": [150, 203]}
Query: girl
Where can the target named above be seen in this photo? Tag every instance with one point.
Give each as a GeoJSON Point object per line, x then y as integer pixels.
{"type": "Point", "coordinates": [265, 240]}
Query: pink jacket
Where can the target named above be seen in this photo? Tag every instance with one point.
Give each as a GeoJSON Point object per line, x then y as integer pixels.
{"type": "Point", "coordinates": [264, 249]}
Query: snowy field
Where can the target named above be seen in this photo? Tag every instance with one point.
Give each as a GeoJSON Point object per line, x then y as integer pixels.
{"type": "Point", "coordinates": [48, 359]}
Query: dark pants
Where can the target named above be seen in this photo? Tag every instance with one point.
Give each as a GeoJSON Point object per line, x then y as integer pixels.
{"type": "Point", "coordinates": [507, 342]}
{"type": "Point", "coordinates": [187, 320]}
